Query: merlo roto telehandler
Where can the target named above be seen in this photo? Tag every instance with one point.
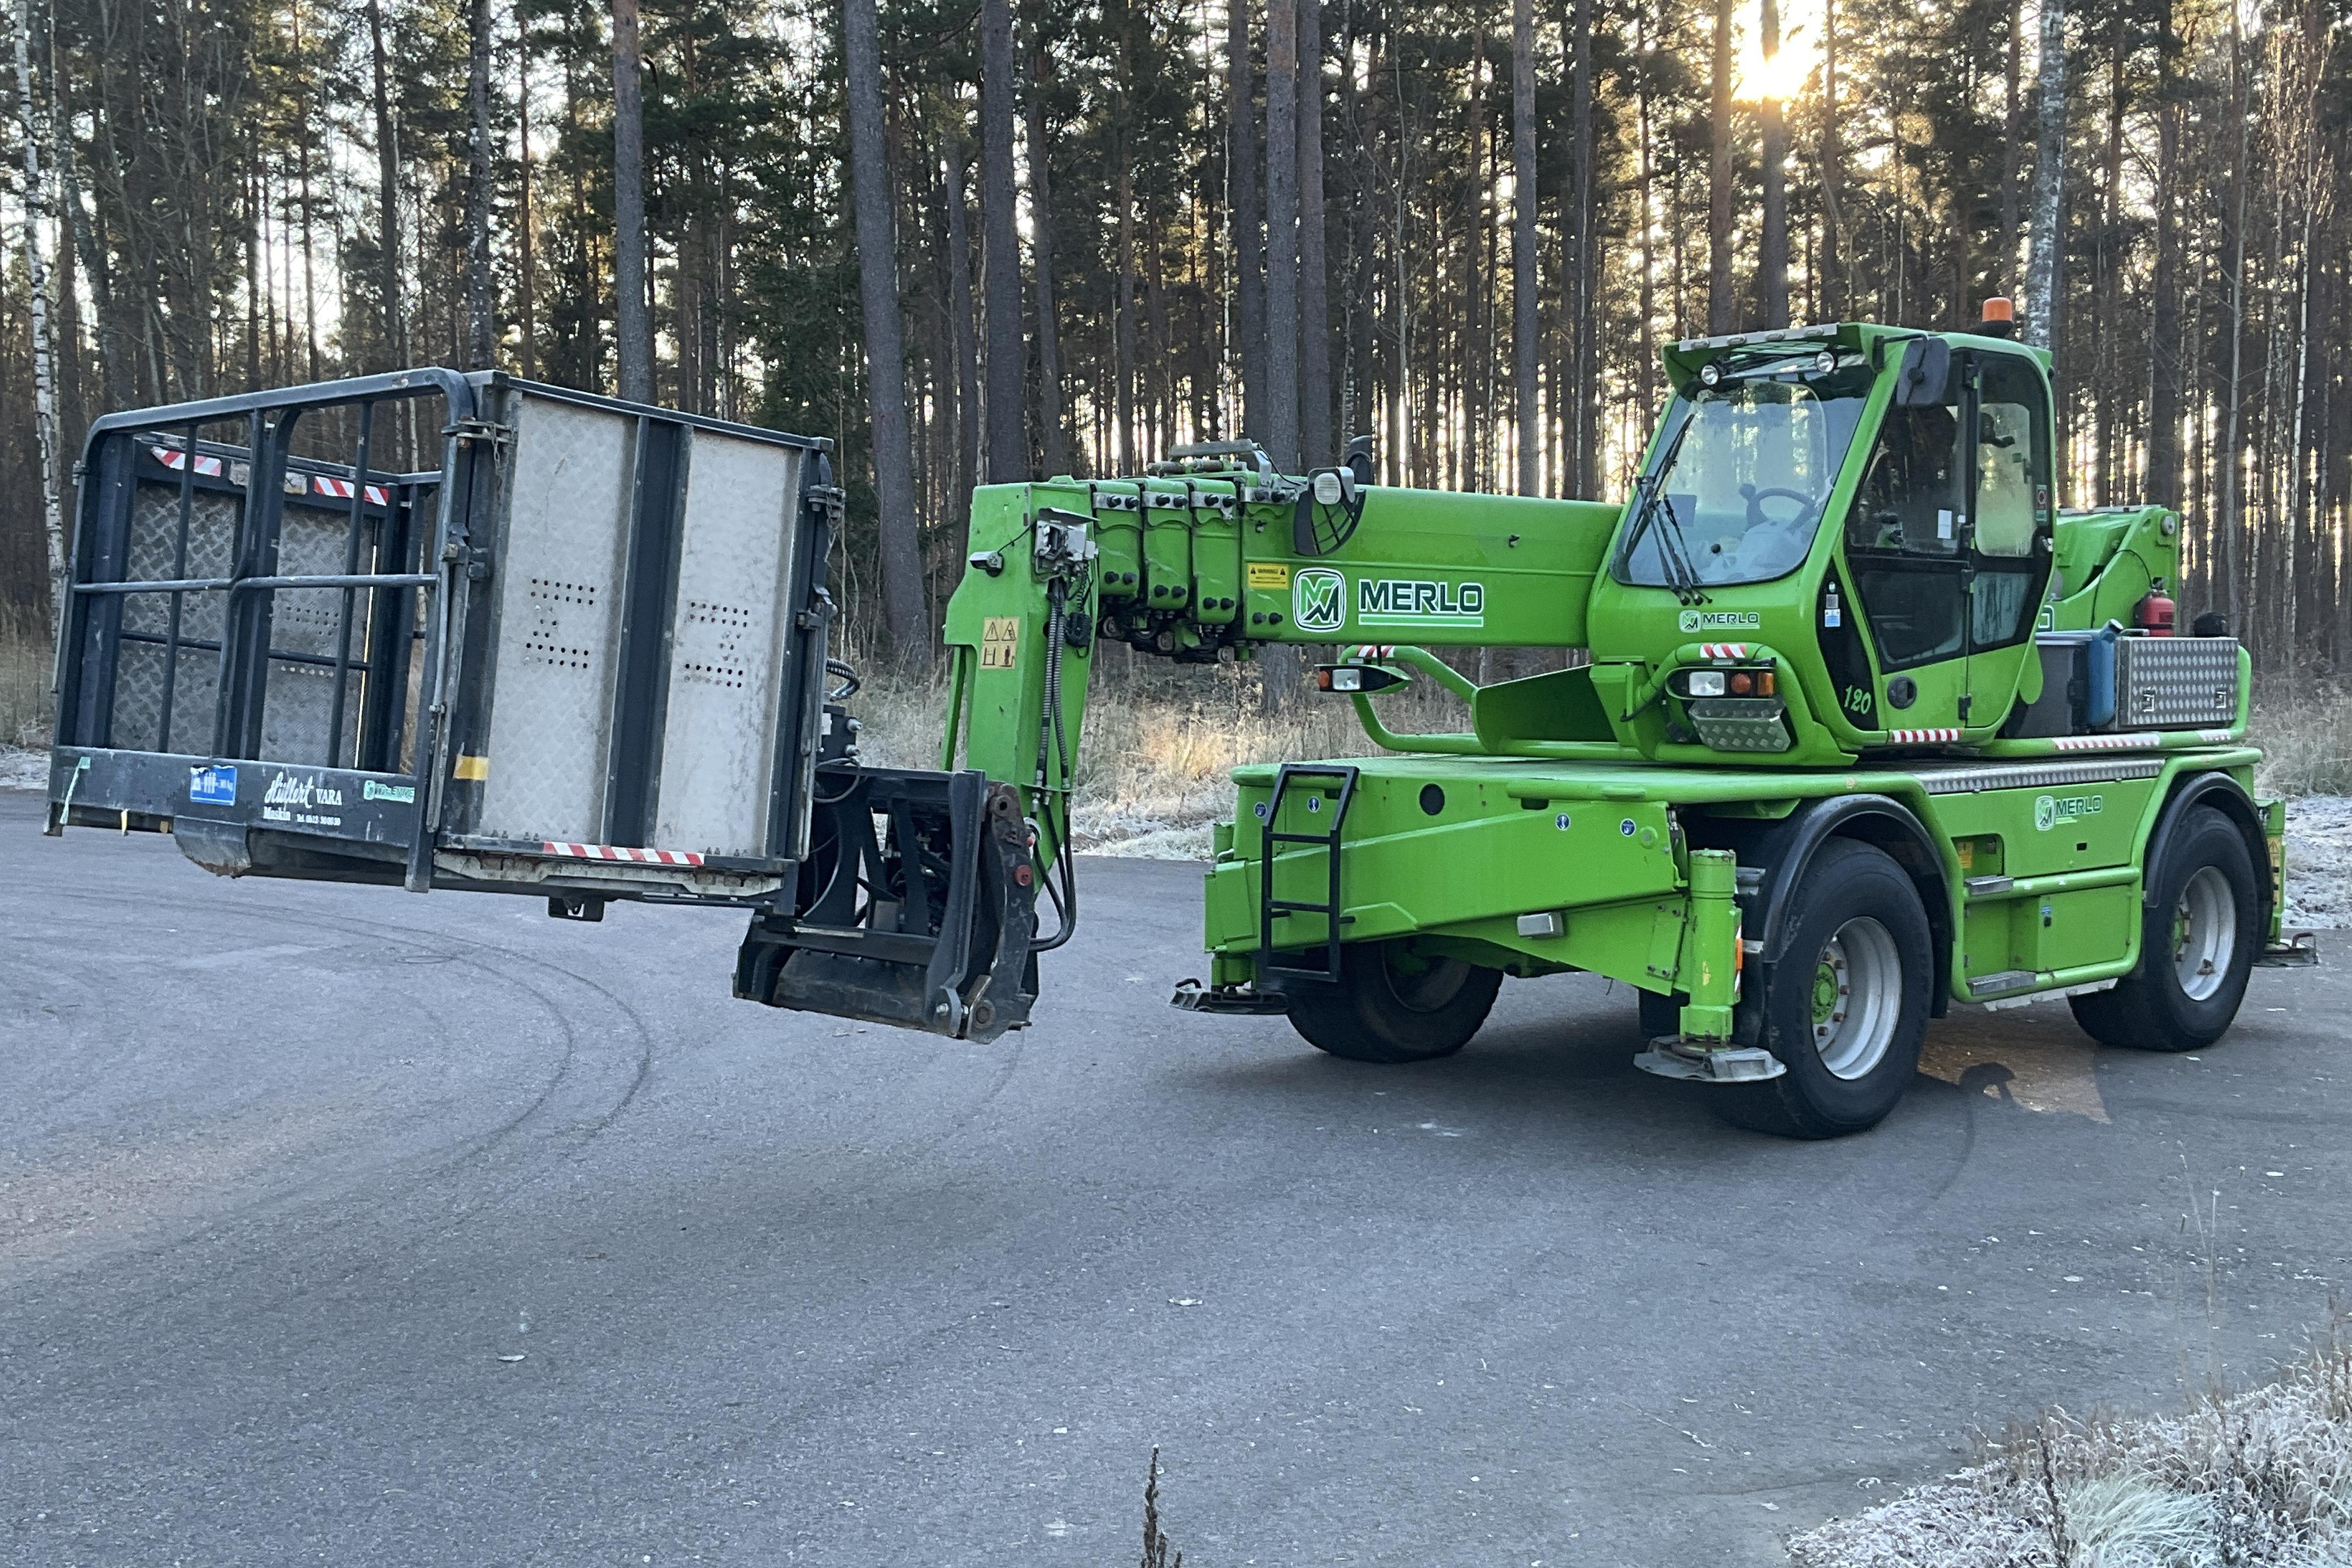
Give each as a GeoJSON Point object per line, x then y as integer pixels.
{"type": "Point", "coordinates": [1850, 723]}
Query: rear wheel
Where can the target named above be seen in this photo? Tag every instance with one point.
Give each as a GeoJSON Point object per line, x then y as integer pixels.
{"type": "Point", "coordinates": [1391, 1005]}
{"type": "Point", "coordinates": [2197, 943]}
{"type": "Point", "coordinates": [1846, 1007]}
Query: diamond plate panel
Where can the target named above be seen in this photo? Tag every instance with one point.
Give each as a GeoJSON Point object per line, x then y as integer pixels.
{"type": "Point", "coordinates": [300, 700]}
{"type": "Point", "coordinates": [152, 556]}
{"type": "Point", "coordinates": [2166, 683]}
{"type": "Point", "coordinates": [556, 651]}
{"type": "Point", "coordinates": [727, 644]}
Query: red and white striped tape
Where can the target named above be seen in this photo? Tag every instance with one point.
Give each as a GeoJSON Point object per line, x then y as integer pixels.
{"type": "Point", "coordinates": [622, 852]}
{"type": "Point", "coordinates": [2129, 741]}
{"type": "Point", "coordinates": [173, 457]}
{"type": "Point", "coordinates": [1723, 650]}
{"type": "Point", "coordinates": [1921, 737]}
{"type": "Point", "coordinates": [327, 485]}
{"type": "Point", "coordinates": [1372, 651]}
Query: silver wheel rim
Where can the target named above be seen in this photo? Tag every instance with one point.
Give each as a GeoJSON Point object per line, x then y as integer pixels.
{"type": "Point", "coordinates": [1857, 994]}
{"type": "Point", "coordinates": [2204, 934]}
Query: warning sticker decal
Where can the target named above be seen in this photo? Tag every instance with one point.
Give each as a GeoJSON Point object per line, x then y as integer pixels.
{"type": "Point", "coordinates": [1000, 642]}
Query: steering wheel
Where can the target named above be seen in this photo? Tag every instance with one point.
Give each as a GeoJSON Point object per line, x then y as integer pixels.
{"type": "Point", "coordinates": [1756, 506]}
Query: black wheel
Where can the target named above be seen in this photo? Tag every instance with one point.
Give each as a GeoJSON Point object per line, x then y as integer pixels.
{"type": "Point", "coordinates": [1846, 1007]}
{"type": "Point", "coordinates": [1391, 1007]}
{"type": "Point", "coordinates": [2197, 943]}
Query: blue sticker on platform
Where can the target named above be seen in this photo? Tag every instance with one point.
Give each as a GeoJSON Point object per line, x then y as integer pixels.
{"type": "Point", "coordinates": [213, 786]}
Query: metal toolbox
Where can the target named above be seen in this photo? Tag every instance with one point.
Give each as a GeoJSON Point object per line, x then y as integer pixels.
{"type": "Point", "coordinates": [2173, 683]}
{"type": "Point", "coordinates": [450, 631]}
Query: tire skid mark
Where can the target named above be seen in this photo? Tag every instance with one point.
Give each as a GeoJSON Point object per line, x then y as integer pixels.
{"type": "Point", "coordinates": [405, 1177]}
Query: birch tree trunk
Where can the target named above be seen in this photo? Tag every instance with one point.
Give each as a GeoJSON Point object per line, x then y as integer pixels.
{"type": "Point", "coordinates": [886, 350]}
{"type": "Point", "coordinates": [45, 389]}
{"type": "Point", "coordinates": [2042, 273]}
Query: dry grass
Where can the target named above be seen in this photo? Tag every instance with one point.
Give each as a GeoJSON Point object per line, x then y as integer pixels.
{"type": "Point", "coordinates": [2306, 734]}
{"type": "Point", "coordinates": [1159, 745]}
{"type": "Point", "coordinates": [2262, 1476]}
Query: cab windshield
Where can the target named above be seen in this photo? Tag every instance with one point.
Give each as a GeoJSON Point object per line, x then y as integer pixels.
{"type": "Point", "coordinates": [1740, 479]}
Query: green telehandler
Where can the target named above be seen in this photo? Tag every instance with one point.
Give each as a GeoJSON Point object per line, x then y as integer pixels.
{"type": "Point", "coordinates": [1864, 728]}
{"type": "Point", "coordinates": [1855, 725]}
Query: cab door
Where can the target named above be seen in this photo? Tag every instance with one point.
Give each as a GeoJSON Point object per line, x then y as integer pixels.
{"type": "Point", "coordinates": [1906, 544]}
{"type": "Point", "coordinates": [1949, 543]}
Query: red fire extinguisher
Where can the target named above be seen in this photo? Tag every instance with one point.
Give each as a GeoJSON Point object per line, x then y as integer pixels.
{"type": "Point", "coordinates": [2154, 613]}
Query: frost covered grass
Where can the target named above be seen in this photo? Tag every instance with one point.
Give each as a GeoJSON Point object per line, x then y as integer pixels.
{"type": "Point", "coordinates": [2262, 1476]}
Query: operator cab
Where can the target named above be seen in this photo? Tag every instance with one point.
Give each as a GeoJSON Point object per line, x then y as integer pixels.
{"type": "Point", "coordinates": [1874, 503]}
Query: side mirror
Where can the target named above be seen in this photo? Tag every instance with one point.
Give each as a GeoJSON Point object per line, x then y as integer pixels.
{"type": "Point", "coordinates": [1926, 366]}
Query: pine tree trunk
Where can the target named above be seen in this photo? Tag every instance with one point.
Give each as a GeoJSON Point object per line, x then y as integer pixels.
{"type": "Point", "coordinates": [1774, 260]}
{"type": "Point", "coordinates": [1315, 447]}
{"type": "Point", "coordinates": [1008, 425]}
{"type": "Point", "coordinates": [1584, 386]}
{"type": "Point", "coordinates": [1054, 442]}
{"type": "Point", "coordinates": [526, 237]}
{"type": "Point", "coordinates": [1722, 309]}
{"type": "Point", "coordinates": [1248, 219]}
{"type": "Point", "coordinates": [632, 314]}
{"type": "Point", "coordinates": [2165, 342]}
{"type": "Point", "coordinates": [1833, 266]}
{"type": "Point", "coordinates": [1524, 343]}
{"type": "Point", "coordinates": [963, 331]}
{"type": "Point", "coordinates": [1279, 429]}
{"type": "Point", "coordinates": [2230, 522]}
{"type": "Point", "coordinates": [481, 294]}
{"type": "Point", "coordinates": [387, 156]}
{"type": "Point", "coordinates": [885, 356]}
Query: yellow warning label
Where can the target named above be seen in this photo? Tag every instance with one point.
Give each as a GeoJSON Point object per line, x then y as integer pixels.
{"type": "Point", "coordinates": [1000, 642]}
{"type": "Point", "coordinates": [474, 768]}
{"type": "Point", "coordinates": [1269, 574]}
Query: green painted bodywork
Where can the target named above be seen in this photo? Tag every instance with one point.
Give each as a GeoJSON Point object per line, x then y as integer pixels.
{"type": "Point", "coordinates": [1576, 791]}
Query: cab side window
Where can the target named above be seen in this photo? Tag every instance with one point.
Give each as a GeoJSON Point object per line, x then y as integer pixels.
{"type": "Point", "coordinates": [2011, 511]}
{"type": "Point", "coordinates": [1904, 533]}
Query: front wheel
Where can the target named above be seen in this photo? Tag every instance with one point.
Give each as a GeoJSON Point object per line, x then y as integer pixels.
{"type": "Point", "coordinates": [1391, 1005]}
{"type": "Point", "coordinates": [2197, 943]}
{"type": "Point", "coordinates": [1846, 1007]}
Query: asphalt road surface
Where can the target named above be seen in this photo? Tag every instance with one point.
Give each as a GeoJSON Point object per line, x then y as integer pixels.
{"type": "Point", "coordinates": [342, 1225]}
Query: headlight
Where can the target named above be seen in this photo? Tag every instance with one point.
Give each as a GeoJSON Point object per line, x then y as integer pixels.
{"type": "Point", "coordinates": [1703, 683]}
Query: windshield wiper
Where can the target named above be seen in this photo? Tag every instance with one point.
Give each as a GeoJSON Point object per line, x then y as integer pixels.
{"type": "Point", "coordinates": [1690, 592]}
{"type": "Point", "coordinates": [1673, 548]}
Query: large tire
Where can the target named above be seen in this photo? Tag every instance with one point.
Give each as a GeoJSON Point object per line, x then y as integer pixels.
{"type": "Point", "coordinates": [2197, 944]}
{"type": "Point", "coordinates": [1846, 1007]}
{"type": "Point", "coordinates": [1391, 1007]}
